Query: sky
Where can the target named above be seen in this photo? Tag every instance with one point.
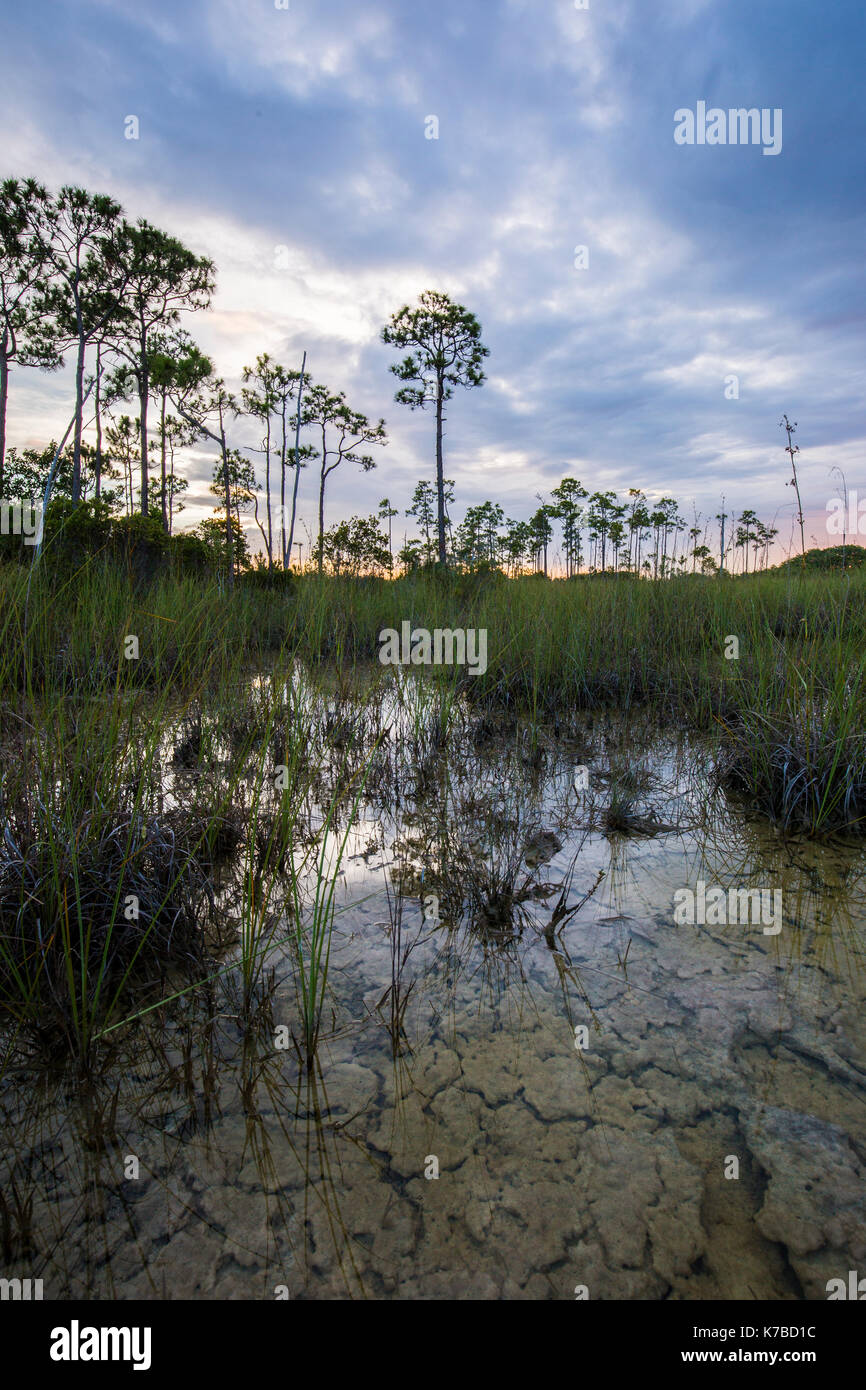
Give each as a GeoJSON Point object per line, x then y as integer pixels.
{"type": "Point", "coordinates": [291, 145]}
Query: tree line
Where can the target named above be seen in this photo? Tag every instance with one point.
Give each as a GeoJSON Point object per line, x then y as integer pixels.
{"type": "Point", "coordinates": [79, 281]}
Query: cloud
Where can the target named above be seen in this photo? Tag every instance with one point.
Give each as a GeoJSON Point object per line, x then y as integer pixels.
{"type": "Point", "coordinates": [289, 145]}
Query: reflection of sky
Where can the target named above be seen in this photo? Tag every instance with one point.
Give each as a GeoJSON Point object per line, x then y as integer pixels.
{"type": "Point", "coordinates": [303, 128]}
{"type": "Point", "coordinates": [715, 840]}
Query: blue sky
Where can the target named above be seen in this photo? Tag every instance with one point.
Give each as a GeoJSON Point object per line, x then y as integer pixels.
{"type": "Point", "coordinates": [304, 128]}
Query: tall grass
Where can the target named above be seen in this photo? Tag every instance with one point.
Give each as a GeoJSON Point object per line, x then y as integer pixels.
{"type": "Point", "coordinates": [313, 930]}
{"type": "Point", "coordinates": [91, 822]}
{"type": "Point", "coordinates": [105, 877]}
{"type": "Point", "coordinates": [588, 642]}
{"type": "Point", "coordinates": [789, 708]}
{"type": "Point", "coordinates": [800, 752]}
{"type": "Point", "coordinates": [95, 878]}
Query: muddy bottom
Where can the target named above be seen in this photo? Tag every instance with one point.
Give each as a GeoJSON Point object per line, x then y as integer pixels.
{"type": "Point", "coordinates": [617, 1106]}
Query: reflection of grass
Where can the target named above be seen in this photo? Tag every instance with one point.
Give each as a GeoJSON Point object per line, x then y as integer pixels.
{"type": "Point", "coordinates": [312, 930]}
{"type": "Point", "coordinates": [196, 1099]}
{"type": "Point", "coordinates": [97, 881]}
{"type": "Point", "coordinates": [91, 824]}
{"type": "Point", "coordinates": [120, 812]}
{"type": "Point", "coordinates": [593, 642]}
{"type": "Point", "coordinates": [399, 991]}
{"type": "Point", "coordinates": [16, 1222]}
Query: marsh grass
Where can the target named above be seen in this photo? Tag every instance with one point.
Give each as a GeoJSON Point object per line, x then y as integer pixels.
{"type": "Point", "coordinates": [149, 778]}
{"type": "Point", "coordinates": [105, 876]}
{"type": "Point", "coordinates": [558, 649]}
{"type": "Point", "coordinates": [97, 879]}
{"type": "Point", "coordinates": [802, 767]}
{"type": "Point", "coordinates": [313, 928]}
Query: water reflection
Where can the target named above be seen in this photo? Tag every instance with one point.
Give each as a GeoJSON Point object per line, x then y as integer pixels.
{"type": "Point", "coordinates": [511, 1004]}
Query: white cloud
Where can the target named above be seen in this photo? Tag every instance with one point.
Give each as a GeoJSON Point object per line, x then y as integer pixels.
{"type": "Point", "coordinates": [301, 50]}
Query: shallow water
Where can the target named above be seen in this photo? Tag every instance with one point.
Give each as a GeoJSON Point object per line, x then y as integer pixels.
{"type": "Point", "coordinates": [607, 1167]}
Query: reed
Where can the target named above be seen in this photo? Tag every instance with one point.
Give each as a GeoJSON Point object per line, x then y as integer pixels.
{"type": "Point", "coordinates": [131, 780]}
{"type": "Point", "coordinates": [313, 926]}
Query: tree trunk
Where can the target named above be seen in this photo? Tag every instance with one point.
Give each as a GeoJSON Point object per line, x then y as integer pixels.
{"type": "Point", "coordinates": [294, 513]}
{"type": "Point", "coordinates": [268, 489]}
{"type": "Point", "coordinates": [165, 520]}
{"type": "Point", "coordinates": [440, 473]}
{"type": "Point", "coordinates": [4, 395]}
{"type": "Point", "coordinates": [171, 492]}
{"type": "Point", "coordinates": [143, 390]}
{"type": "Point", "coordinates": [229, 544]}
{"type": "Point", "coordinates": [163, 502]}
{"type": "Point", "coordinates": [288, 554]}
{"type": "Point", "coordinates": [283, 487]}
{"type": "Point", "coordinates": [321, 516]}
{"type": "Point", "coordinates": [79, 412]}
{"type": "Point", "coordinates": [98, 407]}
